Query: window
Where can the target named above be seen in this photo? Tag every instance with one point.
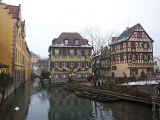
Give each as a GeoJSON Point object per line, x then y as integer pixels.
{"type": "Point", "coordinates": [113, 48]}
{"type": "Point", "coordinates": [145, 58]}
{"type": "Point", "coordinates": [145, 45]}
{"type": "Point", "coordinates": [66, 42]}
{"type": "Point", "coordinates": [121, 57]}
{"type": "Point", "coordinates": [56, 65]}
{"type": "Point", "coordinates": [56, 76]}
{"type": "Point", "coordinates": [63, 65]}
{"type": "Point", "coordinates": [139, 34]}
{"type": "Point", "coordinates": [121, 46]}
{"type": "Point", "coordinates": [79, 66]}
{"type": "Point", "coordinates": [72, 65]}
{"type": "Point", "coordinates": [79, 75]}
{"type": "Point", "coordinates": [87, 65]}
{"type": "Point", "coordinates": [56, 52]}
{"type": "Point", "coordinates": [86, 52]}
{"type": "Point", "coordinates": [71, 52]}
{"type": "Point", "coordinates": [82, 53]}
{"type": "Point", "coordinates": [64, 76]}
{"type": "Point", "coordinates": [78, 52]}
{"type": "Point", "coordinates": [114, 67]}
{"type": "Point", "coordinates": [133, 45]}
{"type": "Point", "coordinates": [76, 42]}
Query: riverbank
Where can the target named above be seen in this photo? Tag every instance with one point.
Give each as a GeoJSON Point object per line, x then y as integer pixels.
{"type": "Point", "coordinates": [105, 95]}
{"type": "Point", "coordinates": [13, 89]}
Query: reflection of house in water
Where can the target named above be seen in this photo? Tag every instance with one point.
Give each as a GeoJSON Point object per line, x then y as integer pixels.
{"type": "Point", "coordinates": [129, 111]}
{"type": "Point", "coordinates": [156, 111]}
{"type": "Point", "coordinates": [155, 105]}
{"type": "Point", "coordinates": [65, 106]}
{"type": "Point", "coordinates": [100, 113]}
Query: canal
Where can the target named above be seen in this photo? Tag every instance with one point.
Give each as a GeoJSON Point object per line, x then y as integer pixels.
{"type": "Point", "coordinates": [37, 103]}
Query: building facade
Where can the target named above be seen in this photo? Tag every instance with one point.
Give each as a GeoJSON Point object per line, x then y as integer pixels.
{"type": "Point", "coordinates": [132, 53]}
{"type": "Point", "coordinates": [14, 51]}
{"type": "Point", "coordinates": [70, 53]}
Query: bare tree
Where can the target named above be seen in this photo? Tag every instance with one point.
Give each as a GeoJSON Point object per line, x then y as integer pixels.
{"type": "Point", "coordinates": [98, 39]}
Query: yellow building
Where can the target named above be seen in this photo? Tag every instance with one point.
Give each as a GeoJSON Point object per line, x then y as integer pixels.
{"type": "Point", "coordinates": [14, 51]}
{"type": "Point", "coordinates": [70, 53]}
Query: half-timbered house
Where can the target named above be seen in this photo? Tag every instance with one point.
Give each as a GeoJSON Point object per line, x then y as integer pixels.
{"type": "Point", "coordinates": [132, 53]}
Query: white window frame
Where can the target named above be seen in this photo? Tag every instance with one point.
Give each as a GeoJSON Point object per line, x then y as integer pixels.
{"type": "Point", "coordinates": [56, 76]}
{"type": "Point", "coordinates": [56, 51]}
{"type": "Point", "coordinates": [76, 42]}
{"type": "Point", "coordinates": [66, 41]}
{"type": "Point", "coordinates": [72, 65]}
{"type": "Point", "coordinates": [78, 53]}
{"type": "Point", "coordinates": [71, 52]}
{"type": "Point", "coordinates": [64, 65]}
{"type": "Point", "coordinates": [56, 65]}
{"type": "Point", "coordinates": [79, 65]}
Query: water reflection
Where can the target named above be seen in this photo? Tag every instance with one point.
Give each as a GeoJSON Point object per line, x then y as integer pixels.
{"type": "Point", "coordinates": [39, 106]}
{"type": "Point", "coordinates": [156, 111]}
{"type": "Point", "coordinates": [64, 105]}
{"type": "Point", "coordinates": [129, 111]}
{"type": "Point", "coordinates": [58, 104]}
{"type": "Point", "coordinates": [22, 100]}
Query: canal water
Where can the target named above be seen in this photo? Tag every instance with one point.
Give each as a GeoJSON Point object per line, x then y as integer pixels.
{"type": "Point", "coordinates": [56, 103]}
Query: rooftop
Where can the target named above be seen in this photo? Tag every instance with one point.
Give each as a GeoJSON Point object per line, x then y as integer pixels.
{"type": "Point", "coordinates": [14, 10]}
{"type": "Point", "coordinates": [125, 35]}
{"type": "Point", "coordinates": [71, 37]}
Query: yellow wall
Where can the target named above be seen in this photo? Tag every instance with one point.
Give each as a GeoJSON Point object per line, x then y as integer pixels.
{"type": "Point", "coordinates": [121, 69]}
{"type": "Point", "coordinates": [6, 36]}
{"type": "Point", "coordinates": [7, 24]}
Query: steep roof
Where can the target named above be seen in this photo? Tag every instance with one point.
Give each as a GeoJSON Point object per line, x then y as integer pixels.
{"type": "Point", "coordinates": [23, 29]}
{"type": "Point", "coordinates": [128, 32]}
{"type": "Point", "coordinates": [23, 25]}
{"type": "Point", "coordinates": [14, 10]}
{"type": "Point", "coordinates": [125, 35]}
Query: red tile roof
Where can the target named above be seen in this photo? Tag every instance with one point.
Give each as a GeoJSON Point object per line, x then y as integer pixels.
{"type": "Point", "coordinates": [71, 36]}
{"type": "Point", "coordinates": [14, 10]}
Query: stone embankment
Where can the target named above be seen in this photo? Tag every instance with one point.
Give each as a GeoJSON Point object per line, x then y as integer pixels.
{"type": "Point", "coordinates": [104, 95]}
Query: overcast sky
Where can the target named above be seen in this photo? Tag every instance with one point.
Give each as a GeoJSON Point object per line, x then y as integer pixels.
{"type": "Point", "coordinates": [46, 19]}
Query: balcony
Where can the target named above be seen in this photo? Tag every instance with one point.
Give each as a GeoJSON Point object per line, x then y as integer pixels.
{"type": "Point", "coordinates": [71, 58]}
{"type": "Point", "coordinates": [141, 65]}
